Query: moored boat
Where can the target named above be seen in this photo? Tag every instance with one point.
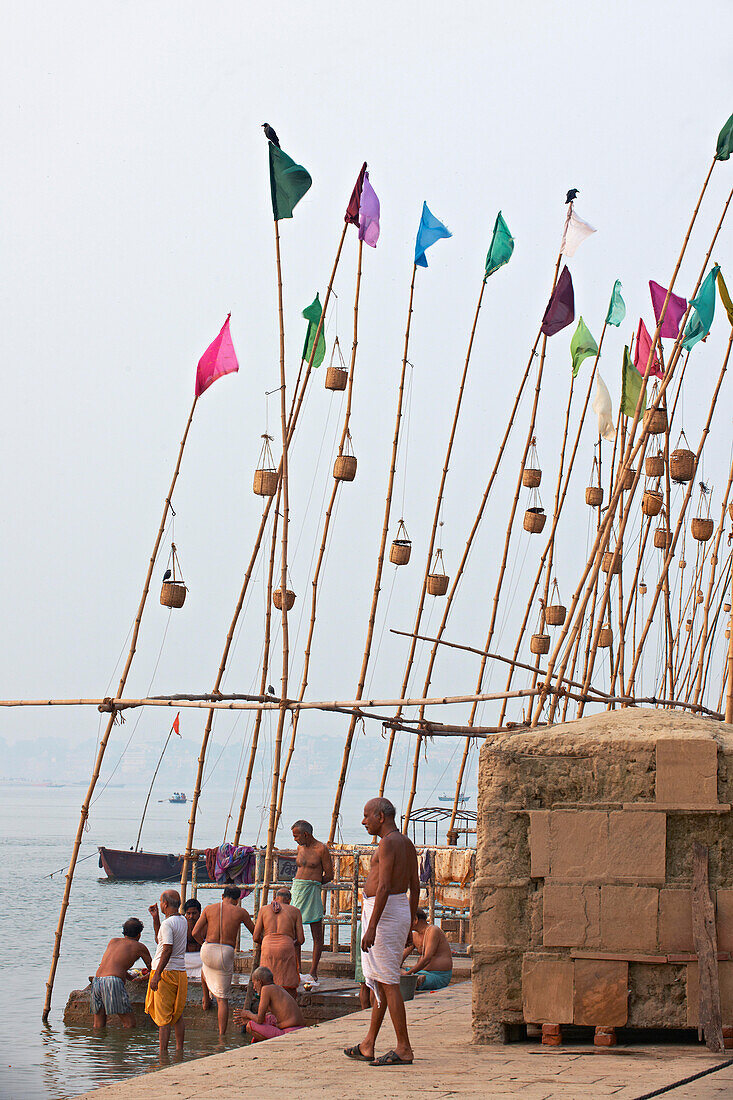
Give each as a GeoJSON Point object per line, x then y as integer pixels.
{"type": "Point", "coordinates": [146, 866]}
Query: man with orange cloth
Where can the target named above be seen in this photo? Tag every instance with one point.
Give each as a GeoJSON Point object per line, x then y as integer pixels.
{"type": "Point", "coordinates": [168, 984]}
{"type": "Point", "coordinates": [278, 928]}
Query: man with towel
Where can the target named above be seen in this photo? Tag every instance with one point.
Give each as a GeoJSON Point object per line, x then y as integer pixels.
{"type": "Point", "coordinates": [278, 928]}
{"type": "Point", "coordinates": [218, 926]}
{"type": "Point", "coordinates": [387, 915]}
{"type": "Point", "coordinates": [315, 869]}
{"type": "Point", "coordinates": [168, 983]}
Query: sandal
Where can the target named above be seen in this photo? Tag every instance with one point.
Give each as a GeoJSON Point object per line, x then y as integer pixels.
{"type": "Point", "coordinates": [356, 1053]}
{"type": "Point", "coordinates": [391, 1058]}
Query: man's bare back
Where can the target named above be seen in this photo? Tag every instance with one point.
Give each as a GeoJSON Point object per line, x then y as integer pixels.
{"type": "Point", "coordinates": [433, 942]}
{"type": "Point", "coordinates": [403, 856]}
{"type": "Point", "coordinates": [287, 922]}
{"type": "Point", "coordinates": [274, 999]}
{"type": "Point", "coordinates": [220, 922]}
{"type": "Point", "coordinates": [121, 952]}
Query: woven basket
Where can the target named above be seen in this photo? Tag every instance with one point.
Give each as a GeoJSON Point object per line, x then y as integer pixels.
{"type": "Point", "coordinates": [682, 465]}
{"type": "Point", "coordinates": [265, 483]}
{"type": "Point", "coordinates": [539, 643]}
{"type": "Point", "coordinates": [344, 468]}
{"type": "Point", "coordinates": [662, 538]}
{"type": "Point", "coordinates": [642, 589]}
{"type": "Point", "coordinates": [555, 614]}
{"type": "Point", "coordinates": [336, 378]}
{"type": "Point", "coordinates": [534, 520]}
{"type": "Point", "coordinates": [437, 584]}
{"type": "Point", "coordinates": [654, 465]}
{"type": "Point", "coordinates": [399, 552]}
{"type": "Point", "coordinates": [173, 594]}
{"type": "Point", "coordinates": [726, 607]}
{"type": "Point", "coordinates": [605, 637]}
{"type": "Point", "coordinates": [594, 495]}
{"type": "Point", "coordinates": [688, 624]}
{"type": "Point", "coordinates": [531, 478]}
{"type": "Point", "coordinates": [651, 502]}
{"type": "Point", "coordinates": [699, 598]}
{"type": "Point", "coordinates": [278, 600]}
{"type": "Point", "coordinates": [702, 529]}
{"type": "Point", "coordinates": [655, 421]}
{"type": "Point", "coordinates": [627, 479]}
{"type": "Point", "coordinates": [611, 562]}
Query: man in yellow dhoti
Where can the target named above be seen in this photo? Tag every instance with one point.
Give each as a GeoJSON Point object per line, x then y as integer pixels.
{"type": "Point", "coordinates": [168, 984]}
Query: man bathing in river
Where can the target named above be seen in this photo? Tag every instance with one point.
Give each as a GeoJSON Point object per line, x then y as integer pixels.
{"type": "Point", "coordinates": [168, 984]}
{"type": "Point", "coordinates": [109, 996]}
{"type": "Point", "coordinates": [278, 929]}
{"type": "Point", "coordinates": [278, 1013]}
{"type": "Point", "coordinates": [315, 869]}
{"type": "Point", "coordinates": [218, 926]}
{"type": "Point", "coordinates": [434, 967]}
{"type": "Point", "coordinates": [387, 916]}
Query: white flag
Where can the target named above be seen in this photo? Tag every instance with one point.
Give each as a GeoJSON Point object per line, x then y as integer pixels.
{"type": "Point", "coordinates": [603, 410]}
{"type": "Point", "coordinates": [575, 232]}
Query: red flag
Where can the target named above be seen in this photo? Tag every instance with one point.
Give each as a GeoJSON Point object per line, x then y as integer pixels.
{"type": "Point", "coordinates": [218, 359]}
{"type": "Point", "coordinates": [641, 353]}
{"type": "Point", "coordinates": [352, 210]}
{"type": "Point", "coordinates": [676, 307]}
{"type": "Point", "coordinates": [175, 724]}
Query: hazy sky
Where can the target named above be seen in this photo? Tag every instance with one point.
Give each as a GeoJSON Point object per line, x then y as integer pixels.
{"type": "Point", "coordinates": [136, 215]}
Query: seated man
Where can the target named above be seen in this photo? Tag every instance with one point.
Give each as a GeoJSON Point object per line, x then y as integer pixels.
{"type": "Point", "coordinates": [434, 967]}
{"type": "Point", "coordinates": [278, 929]}
{"type": "Point", "coordinates": [278, 1013]}
{"type": "Point", "coordinates": [218, 926]}
{"type": "Point", "coordinates": [109, 996]}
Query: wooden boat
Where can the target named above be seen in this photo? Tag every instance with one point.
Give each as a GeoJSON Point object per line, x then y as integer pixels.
{"type": "Point", "coordinates": [146, 866]}
{"type": "Point", "coordinates": [178, 798]}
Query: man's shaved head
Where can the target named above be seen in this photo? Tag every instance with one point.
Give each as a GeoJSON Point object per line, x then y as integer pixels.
{"type": "Point", "coordinates": [171, 898]}
{"type": "Point", "coordinates": [381, 806]}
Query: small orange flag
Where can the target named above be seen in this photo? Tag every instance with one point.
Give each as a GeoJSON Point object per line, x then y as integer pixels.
{"type": "Point", "coordinates": [175, 724]}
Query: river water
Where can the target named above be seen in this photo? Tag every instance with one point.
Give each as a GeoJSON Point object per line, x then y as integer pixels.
{"type": "Point", "coordinates": [37, 827]}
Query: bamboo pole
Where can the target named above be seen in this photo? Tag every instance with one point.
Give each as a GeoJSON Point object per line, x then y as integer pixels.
{"type": "Point", "coordinates": [150, 789]}
{"type": "Point", "coordinates": [378, 576]}
{"type": "Point", "coordinates": [105, 738]}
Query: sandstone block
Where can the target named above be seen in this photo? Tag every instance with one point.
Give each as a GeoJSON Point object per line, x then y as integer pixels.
{"type": "Point", "coordinates": [636, 846]}
{"type": "Point", "coordinates": [687, 771]}
{"type": "Point", "coordinates": [600, 997]}
{"type": "Point", "coordinates": [629, 918]}
{"type": "Point", "coordinates": [547, 990]}
{"type": "Point", "coordinates": [675, 921]}
{"type": "Point", "coordinates": [578, 845]}
{"type": "Point", "coordinates": [500, 915]}
{"type": "Point", "coordinates": [724, 920]}
{"type": "Point", "coordinates": [725, 978]}
{"type": "Point", "coordinates": [571, 916]}
{"type": "Point", "coordinates": [539, 843]}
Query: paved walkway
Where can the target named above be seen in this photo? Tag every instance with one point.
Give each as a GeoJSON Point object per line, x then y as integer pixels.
{"type": "Point", "coordinates": [446, 1065]}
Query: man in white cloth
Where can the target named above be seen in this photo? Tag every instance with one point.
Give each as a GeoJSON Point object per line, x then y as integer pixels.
{"type": "Point", "coordinates": [387, 916]}
{"type": "Point", "coordinates": [218, 926]}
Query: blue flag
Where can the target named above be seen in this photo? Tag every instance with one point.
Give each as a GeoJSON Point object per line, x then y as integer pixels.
{"type": "Point", "coordinates": [430, 231]}
{"type": "Point", "coordinates": [703, 309]}
{"type": "Point", "coordinates": [616, 307]}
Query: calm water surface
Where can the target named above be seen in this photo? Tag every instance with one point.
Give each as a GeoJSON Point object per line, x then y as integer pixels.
{"type": "Point", "coordinates": [37, 827]}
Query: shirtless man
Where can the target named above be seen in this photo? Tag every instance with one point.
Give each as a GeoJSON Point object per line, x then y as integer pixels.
{"type": "Point", "coordinates": [109, 996]}
{"type": "Point", "coordinates": [279, 927]}
{"type": "Point", "coordinates": [434, 967]}
{"type": "Point", "coordinates": [216, 930]}
{"type": "Point", "coordinates": [278, 1013]}
{"type": "Point", "coordinates": [387, 916]}
{"type": "Point", "coordinates": [315, 869]}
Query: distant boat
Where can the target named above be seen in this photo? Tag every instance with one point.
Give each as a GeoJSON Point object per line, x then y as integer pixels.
{"type": "Point", "coordinates": [150, 866]}
{"type": "Point", "coordinates": [179, 798]}
{"type": "Point", "coordinates": [450, 798]}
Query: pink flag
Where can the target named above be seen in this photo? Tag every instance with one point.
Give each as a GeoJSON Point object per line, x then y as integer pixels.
{"type": "Point", "coordinates": [369, 214]}
{"type": "Point", "coordinates": [676, 307]}
{"type": "Point", "coordinates": [219, 358]}
{"type": "Point", "coordinates": [641, 353]}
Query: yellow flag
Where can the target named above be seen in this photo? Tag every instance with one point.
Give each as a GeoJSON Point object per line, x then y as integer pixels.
{"type": "Point", "coordinates": [725, 297]}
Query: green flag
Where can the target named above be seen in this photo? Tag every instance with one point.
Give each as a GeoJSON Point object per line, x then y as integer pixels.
{"type": "Point", "coordinates": [312, 314]}
{"type": "Point", "coordinates": [725, 297]}
{"type": "Point", "coordinates": [288, 183]}
{"type": "Point", "coordinates": [501, 247]}
{"type": "Point", "coordinates": [631, 384]}
{"type": "Point", "coordinates": [724, 147]}
{"type": "Point", "coordinates": [703, 309]}
{"type": "Point", "coordinates": [616, 307]}
{"type": "Point", "coordinates": [581, 346]}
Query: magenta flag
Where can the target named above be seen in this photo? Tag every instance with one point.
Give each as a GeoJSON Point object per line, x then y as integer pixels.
{"type": "Point", "coordinates": [369, 214]}
{"type": "Point", "coordinates": [676, 307]}
{"type": "Point", "coordinates": [560, 310]}
{"type": "Point", "coordinates": [218, 359]}
{"type": "Point", "coordinates": [641, 352]}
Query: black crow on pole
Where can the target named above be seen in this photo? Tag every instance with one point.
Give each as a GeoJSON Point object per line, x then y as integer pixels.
{"type": "Point", "coordinates": [571, 195]}
{"type": "Point", "coordinates": [270, 134]}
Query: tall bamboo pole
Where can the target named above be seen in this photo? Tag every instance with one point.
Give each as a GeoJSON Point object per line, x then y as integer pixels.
{"type": "Point", "coordinates": [103, 743]}
{"type": "Point", "coordinates": [378, 576]}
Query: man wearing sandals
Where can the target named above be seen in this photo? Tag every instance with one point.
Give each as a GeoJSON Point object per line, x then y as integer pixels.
{"type": "Point", "coordinates": [387, 916]}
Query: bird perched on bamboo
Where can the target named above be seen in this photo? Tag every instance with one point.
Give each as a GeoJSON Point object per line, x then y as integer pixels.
{"type": "Point", "coordinates": [270, 134]}
{"type": "Point", "coordinates": [167, 575]}
{"type": "Point", "coordinates": [571, 195]}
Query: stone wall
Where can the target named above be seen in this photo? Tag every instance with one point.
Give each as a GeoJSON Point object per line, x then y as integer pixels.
{"type": "Point", "coordinates": [581, 909]}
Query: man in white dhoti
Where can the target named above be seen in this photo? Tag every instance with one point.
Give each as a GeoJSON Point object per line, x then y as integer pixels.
{"type": "Point", "coordinates": [391, 895]}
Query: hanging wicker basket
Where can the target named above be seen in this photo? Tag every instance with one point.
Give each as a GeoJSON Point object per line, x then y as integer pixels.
{"type": "Point", "coordinates": [437, 584]}
{"type": "Point", "coordinates": [642, 589]}
{"type": "Point", "coordinates": [654, 465]}
{"type": "Point", "coordinates": [173, 594]}
{"type": "Point", "coordinates": [336, 378]}
{"type": "Point", "coordinates": [682, 465]}
{"type": "Point", "coordinates": [265, 483]}
{"type": "Point", "coordinates": [539, 644]}
{"type": "Point", "coordinates": [655, 421]}
{"type": "Point", "coordinates": [555, 614]}
{"type": "Point", "coordinates": [344, 468]}
{"type": "Point", "coordinates": [726, 607]}
{"type": "Point", "coordinates": [594, 496]}
{"type": "Point", "coordinates": [401, 548]}
{"type": "Point", "coordinates": [534, 520]}
{"type": "Point", "coordinates": [605, 637]}
{"type": "Point", "coordinates": [699, 597]}
{"type": "Point", "coordinates": [277, 598]}
{"type": "Point", "coordinates": [702, 529]}
{"type": "Point", "coordinates": [531, 478]}
{"type": "Point", "coordinates": [688, 625]}
{"type": "Point", "coordinates": [611, 562]}
{"type": "Point", "coordinates": [627, 478]}
{"type": "Point", "coordinates": [662, 538]}
{"type": "Point", "coordinates": [651, 502]}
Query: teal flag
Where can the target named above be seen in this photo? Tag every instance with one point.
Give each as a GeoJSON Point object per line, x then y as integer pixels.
{"type": "Point", "coordinates": [703, 309]}
{"type": "Point", "coordinates": [430, 230]}
{"type": "Point", "coordinates": [616, 307]}
{"type": "Point", "coordinates": [501, 247]}
{"type": "Point", "coordinates": [581, 346]}
{"type": "Point", "coordinates": [724, 147]}
{"type": "Point", "coordinates": [312, 314]}
{"type": "Point", "coordinates": [631, 384]}
{"type": "Point", "coordinates": [288, 183]}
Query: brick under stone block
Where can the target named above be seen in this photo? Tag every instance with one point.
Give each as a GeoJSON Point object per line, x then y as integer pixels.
{"type": "Point", "coordinates": [687, 771]}
{"type": "Point", "coordinates": [547, 990]}
{"type": "Point", "coordinates": [725, 978]}
{"type": "Point", "coordinates": [675, 921]}
{"type": "Point", "coordinates": [724, 919]}
{"type": "Point", "coordinates": [629, 918]}
{"type": "Point", "coordinates": [571, 916]}
{"type": "Point", "coordinates": [600, 996]}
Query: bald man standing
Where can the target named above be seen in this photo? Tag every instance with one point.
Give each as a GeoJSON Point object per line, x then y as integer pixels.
{"type": "Point", "coordinates": [168, 984]}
